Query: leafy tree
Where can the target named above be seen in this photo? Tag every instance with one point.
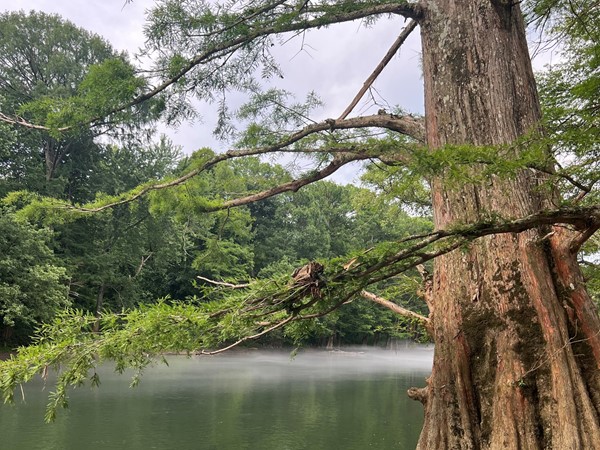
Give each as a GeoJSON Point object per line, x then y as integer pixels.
{"type": "Point", "coordinates": [52, 72]}
{"type": "Point", "coordinates": [33, 283]}
{"type": "Point", "coordinates": [517, 335]}
{"type": "Point", "coordinates": [110, 253]}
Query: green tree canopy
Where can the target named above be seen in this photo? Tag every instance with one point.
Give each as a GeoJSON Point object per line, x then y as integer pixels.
{"type": "Point", "coordinates": [33, 282]}
{"type": "Point", "coordinates": [54, 73]}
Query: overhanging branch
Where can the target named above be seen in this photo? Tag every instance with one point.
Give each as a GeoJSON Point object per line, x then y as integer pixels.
{"type": "Point", "coordinates": [407, 125]}
{"type": "Point", "coordinates": [305, 18]}
{"type": "Point", "coordinates": [368, 269]}
{"type": "Point", "coordinates": [187, 327]}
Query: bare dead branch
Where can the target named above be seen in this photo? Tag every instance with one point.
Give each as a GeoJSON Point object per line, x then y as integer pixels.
{"type": "Point", "coordinates": [384, 62]}
{"type": "Point", "coordinates": [16, 120]}
{"type": "Point", "coordinates": [143, 261]}
{"type": "Point", "coordinates": [223, 283]}
{"type": "Point", "coordinates": [396, 308]}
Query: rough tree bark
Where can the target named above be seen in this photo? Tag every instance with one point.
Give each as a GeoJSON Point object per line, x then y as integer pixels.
{"type": "Point", "coordinates": [517, 353]}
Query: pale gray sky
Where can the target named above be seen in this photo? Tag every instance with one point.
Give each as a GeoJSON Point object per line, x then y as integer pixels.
{"type": "Point", "coordinates": [335, 63]}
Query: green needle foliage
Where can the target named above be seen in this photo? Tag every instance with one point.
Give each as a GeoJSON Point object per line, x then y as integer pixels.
{"type": "Point", "coordinates": [135, 338]}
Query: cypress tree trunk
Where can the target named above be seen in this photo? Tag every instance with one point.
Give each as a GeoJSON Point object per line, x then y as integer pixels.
{"type": "Point", "coordinates": [517, 353]}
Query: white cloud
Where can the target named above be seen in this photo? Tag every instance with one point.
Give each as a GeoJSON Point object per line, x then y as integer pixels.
{"type": "Point", "coordinates": [120, 23]}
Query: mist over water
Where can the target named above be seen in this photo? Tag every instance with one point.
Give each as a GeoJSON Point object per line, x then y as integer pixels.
{"type": "Point", "coordinates": [281, 366]}
{"type": "Point", "coordinates": [347, 399]}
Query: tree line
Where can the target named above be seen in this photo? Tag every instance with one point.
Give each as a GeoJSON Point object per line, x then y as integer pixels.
{"type": "Point", "coordinates": [161, 247]}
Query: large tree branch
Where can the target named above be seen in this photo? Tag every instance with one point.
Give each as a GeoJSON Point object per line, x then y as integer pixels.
{"type": "Point", "coordinates": [193, 327]}
{"type": "Point", "coordinates": [306, 18]}
{"type": "Point", "coordinates": [339, 160]}
{"type": "Point", "coordinates": [412, 255]}
{"type": "Point", "coordinates": [348, 280]}
{"type": "Point", "coordinates": [584, 219]}
{"type": "Point", "coordinates": [418, 249]}
{"type": "Point", "coordinates": [407, 125]}
{"type": "Point", "coordinates": [384, 62]}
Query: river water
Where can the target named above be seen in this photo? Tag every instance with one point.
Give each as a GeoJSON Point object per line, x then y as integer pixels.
{"type": "Point", "coordinates": [353, 399]}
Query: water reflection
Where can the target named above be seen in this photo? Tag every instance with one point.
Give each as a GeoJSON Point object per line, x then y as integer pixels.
{"type": "Point", "coordinates": [257, 400]}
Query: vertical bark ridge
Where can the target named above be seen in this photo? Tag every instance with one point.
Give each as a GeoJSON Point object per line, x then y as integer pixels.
{"type": "Point", "coordinates": [572, 284]}
{"type": "Point", "coordinates": [582, 317]}
{"type": "Point", "coordinates": [571, 406]}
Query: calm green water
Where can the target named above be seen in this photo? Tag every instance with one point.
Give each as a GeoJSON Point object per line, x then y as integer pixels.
{"type": "Point", "coordinates": [255, 401]}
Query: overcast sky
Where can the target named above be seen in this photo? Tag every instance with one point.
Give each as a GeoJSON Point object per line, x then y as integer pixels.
{"type": "Point", "coordinates": [335, 61]}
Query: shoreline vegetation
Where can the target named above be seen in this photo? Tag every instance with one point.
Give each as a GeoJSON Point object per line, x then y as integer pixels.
{"type": "Point", "coordinates": [393, 345]}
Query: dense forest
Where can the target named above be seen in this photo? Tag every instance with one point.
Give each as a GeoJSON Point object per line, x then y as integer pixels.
{"type": "Point", "coordinates": [163, 248]}
{"type": "Point", "coordinates": [474, 226]}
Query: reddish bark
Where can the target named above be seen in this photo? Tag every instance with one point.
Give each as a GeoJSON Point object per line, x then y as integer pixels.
{"type": "Point", "coordinates": [517, 336]}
